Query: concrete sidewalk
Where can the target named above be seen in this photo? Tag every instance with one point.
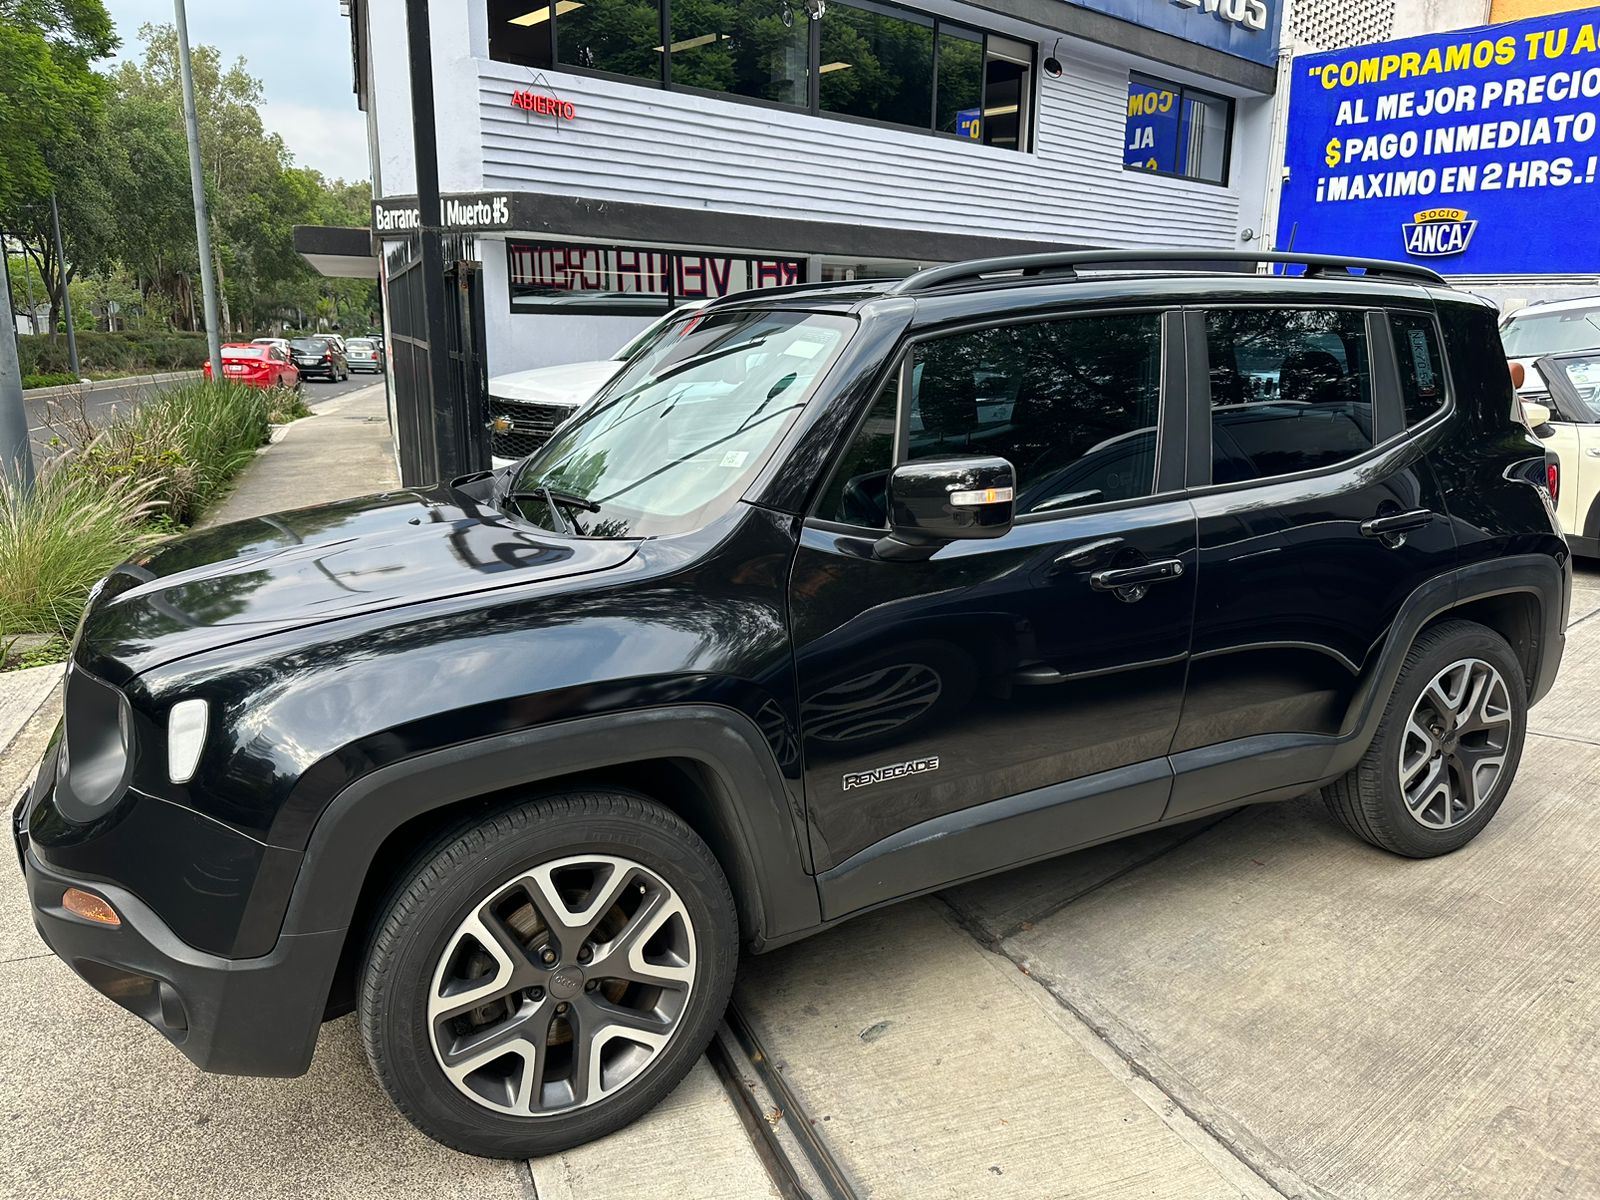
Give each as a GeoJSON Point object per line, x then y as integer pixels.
{"type": "Point", "coordinates": [343, 450]}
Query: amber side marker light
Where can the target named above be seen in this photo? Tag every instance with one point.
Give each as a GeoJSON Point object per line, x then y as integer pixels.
{"type": "Point", "coordinates": [90, 907]}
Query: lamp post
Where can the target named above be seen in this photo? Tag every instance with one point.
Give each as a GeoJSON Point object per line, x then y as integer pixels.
{"type": "Point", "coordinates": [448, 439]}
{"type": "Point", "coordinates": [16, 453]}
{"type": "Point", "coordinates": [202, 228]}
{"type": "Point", "coordinates": [66, 295]}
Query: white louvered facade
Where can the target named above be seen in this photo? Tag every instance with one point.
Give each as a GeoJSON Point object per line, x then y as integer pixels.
{"type": "Point", "coordinates": [656, 147]}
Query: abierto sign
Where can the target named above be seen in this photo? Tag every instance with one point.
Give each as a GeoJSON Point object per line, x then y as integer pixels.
{"type": "Point", "coordinates": [1477, 151]}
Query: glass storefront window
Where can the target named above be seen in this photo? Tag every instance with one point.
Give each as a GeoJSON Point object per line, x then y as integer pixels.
{"type": "Point", "coordinates": [619, 37]}
{"type": "Point", "coordinates": [1007, 89]}
{"type": "Point", "coordinates": [960, 82]}
{"type": "Point", "coordinates": [863, 59]}
{"type": "Point", "coordinates": [1174, 130]}
{"type": "Point", "coordinates": [521, 31]}
{"type": "Point", "coordinates": [756, 48]}
{"type": "Point", "coordinates": [877, 63]}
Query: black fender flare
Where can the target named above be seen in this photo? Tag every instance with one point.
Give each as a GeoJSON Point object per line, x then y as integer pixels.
{"type": "Point", "coordinates": [755, 833]}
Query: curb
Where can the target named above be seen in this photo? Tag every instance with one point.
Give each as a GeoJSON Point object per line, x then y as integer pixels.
{"type": "Point", "coordinates": [22, 694]}
{"type": "Point", "coordinates": [69, 389]}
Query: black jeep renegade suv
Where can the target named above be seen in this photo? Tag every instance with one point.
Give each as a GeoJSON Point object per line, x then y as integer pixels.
{"type": "Point", "coordinates": [846, 594]}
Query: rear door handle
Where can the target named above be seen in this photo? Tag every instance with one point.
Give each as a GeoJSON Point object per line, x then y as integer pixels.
{"type": "Point", "coordinates": [1141, 576]}
{"type": "Point", "coordinates": [1398, 523]}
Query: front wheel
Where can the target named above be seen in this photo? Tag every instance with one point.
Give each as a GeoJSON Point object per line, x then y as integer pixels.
{"type": "Point", "coordinates": [549, 975]}
{"type": "Point", "coordinates": [1446, 750]}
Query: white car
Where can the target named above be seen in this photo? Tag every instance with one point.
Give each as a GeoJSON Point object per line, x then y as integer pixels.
{"type": "Point", "coordinates": [1567, 417]}
{"type": "Point", "coordinates": [1550, 327]}
{"type": "Point", "coordinates": [526, 407]}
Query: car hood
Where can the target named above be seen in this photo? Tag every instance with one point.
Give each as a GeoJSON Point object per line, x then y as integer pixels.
{"type": "Point", "coordinates": [226, 585]}
{"type": "Point", "coordinates": [571, 383]}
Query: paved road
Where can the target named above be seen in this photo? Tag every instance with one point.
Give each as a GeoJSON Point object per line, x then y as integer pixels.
{"type": "Point", "coordinates": [105, 400]}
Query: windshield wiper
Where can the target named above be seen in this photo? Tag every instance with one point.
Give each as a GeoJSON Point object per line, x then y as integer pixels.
{"type": "Point", "coordinates": [557, 502]}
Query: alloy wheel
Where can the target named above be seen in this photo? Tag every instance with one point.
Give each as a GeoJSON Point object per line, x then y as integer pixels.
{"type": "Point", "coordinates": [562, 986]}
{"type": "Point", "coordinates": [1453, 752]}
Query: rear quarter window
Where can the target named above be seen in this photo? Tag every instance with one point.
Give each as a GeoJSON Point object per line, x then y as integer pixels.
{"type": "Point", "coordinates": [1421, 361]}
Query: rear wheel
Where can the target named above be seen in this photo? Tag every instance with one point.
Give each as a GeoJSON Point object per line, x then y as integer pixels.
{"type": "Point", "coordinates": [1447, 749]}
{"type": "Point", "coordinates": [549, 975]}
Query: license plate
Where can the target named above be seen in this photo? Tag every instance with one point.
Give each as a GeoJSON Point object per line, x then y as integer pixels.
{"type": "Point", "coordinates": [233, 367]}
{"type": "Point", "coordinates": [309, 362]}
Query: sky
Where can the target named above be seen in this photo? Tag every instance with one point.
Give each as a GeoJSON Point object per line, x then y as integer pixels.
{"type": "Point", "coordinates": [299, 49]}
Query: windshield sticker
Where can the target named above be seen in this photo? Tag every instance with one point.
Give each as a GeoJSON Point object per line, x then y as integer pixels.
{"type": "Point", "coordinates": [805, 349]}
{"type": "Point", "coordinates": [734, 459]}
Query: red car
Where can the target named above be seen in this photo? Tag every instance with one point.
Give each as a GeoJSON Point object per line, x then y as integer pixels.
{"type": "Point", "coordinates": [258, 364]}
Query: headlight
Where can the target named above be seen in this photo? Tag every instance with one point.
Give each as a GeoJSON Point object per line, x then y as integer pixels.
{"type": "Point", "coordinates": [96, 749]}
{"type": "Point", "coordinates": [186, 737]}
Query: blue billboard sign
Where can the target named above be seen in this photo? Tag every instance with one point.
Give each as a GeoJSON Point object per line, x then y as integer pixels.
{"type": "Point", "coordinates": [969, 123]}
{"type": "Point", "coordinates": [1475, 152]}
{"type": "Point", "coordinates": [1242, 28]}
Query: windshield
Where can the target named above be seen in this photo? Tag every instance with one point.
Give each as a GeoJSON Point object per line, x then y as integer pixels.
{"type": "Point", "coordinates": [1551, 333]}
{"type": "Point", "coordinates": [650, 334]}
{"type": "Point", "coordinates": [1583, 372]}
{"type": "Point", "coordinates": [674, 440]}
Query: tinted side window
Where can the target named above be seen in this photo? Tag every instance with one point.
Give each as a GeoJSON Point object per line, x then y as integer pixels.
{"type": "Point", "coordinates": [1291, 390]}
{"type": "Point", "coordinates": [1416, 345]}
{"type": "Point", "coordinates": [859, 490]}
{"type": "Point", "coordinates": [1072, 404]}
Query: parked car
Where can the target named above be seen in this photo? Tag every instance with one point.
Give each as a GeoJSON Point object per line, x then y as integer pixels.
{"type": "Point", "coordinates": [258, 365]}
{"type": "Point", "coordinates": [321, 358]}
{"type": "Point", "coordinates": [785, 626]}
{"type": "Point", "coordinates": [526, 407]}
{"type": "Point", "coordinates": [1567, 418]}
{"type": "Point", "coordinates": [282, 343]}
{"type": "Point", "coordinates": [1549, 327]}
{"type": "Point", "coordinates": [364, 354]}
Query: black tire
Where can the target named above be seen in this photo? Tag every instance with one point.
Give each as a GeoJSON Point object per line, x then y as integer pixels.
{"type": "Point", "coordinates": [1369, 802]}
{"type": "Point", "coordinates": [452, 879]}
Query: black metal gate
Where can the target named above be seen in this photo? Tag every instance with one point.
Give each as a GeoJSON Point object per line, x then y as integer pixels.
{"type": "Point", "coordinates": [438, 436]}
{"type": "Point", "coordinates": [469, 359]}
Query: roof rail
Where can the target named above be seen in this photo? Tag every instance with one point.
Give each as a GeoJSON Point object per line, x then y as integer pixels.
{"type": "Point", "coordinates": [1064, 264]}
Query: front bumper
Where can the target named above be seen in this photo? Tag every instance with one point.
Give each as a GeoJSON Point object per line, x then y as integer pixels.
{"type": "Point", "coordinates": [252, 1016]}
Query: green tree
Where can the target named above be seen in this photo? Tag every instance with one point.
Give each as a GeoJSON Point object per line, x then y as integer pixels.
{"type": "Point", "coordinates": [52, 112]}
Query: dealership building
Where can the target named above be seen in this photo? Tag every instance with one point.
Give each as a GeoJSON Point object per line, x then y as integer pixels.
{"type": "Point", "coordinates": [604, 160]}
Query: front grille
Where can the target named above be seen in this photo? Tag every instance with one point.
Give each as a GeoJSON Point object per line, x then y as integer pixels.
{"type": "Point", "coordinates": [531, 426]}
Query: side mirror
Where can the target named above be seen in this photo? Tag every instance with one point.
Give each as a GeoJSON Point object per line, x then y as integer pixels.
{"type": "Point", "coordinates": [946, 500]}
{"type": "Point", "coordinates": [1536, 414]}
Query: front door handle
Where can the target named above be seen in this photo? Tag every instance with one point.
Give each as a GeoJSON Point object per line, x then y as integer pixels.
{"type": "Point", "coordinates": [1127, 580]}
{"type": "Point", "coordinates": [1398, 523]}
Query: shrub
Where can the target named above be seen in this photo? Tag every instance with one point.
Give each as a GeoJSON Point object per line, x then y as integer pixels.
{"type": "Point", "coordinates": [58, 539]}
{"type": "Point", "coordinates": [132, 353]}
{"type": "Point", "coordinates": [58, 379]}
{"type": "Point", "coordinates": [183, 445]}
